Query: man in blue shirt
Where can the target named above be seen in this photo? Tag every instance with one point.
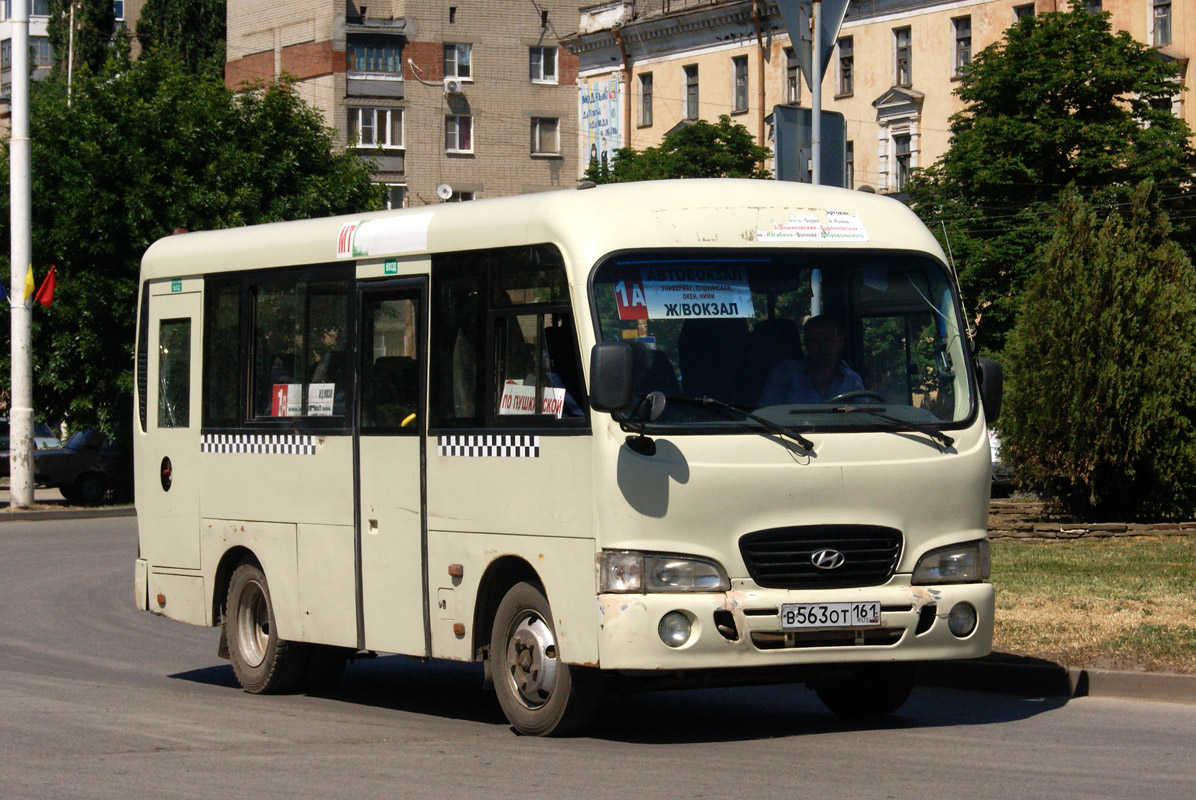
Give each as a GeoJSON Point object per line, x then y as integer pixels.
{"type": "Point", "coordinates": [820, 376]}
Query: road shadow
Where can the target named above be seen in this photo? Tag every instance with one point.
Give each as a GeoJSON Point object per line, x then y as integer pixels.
{"type": "Point", "coordinates": [448, 689]}
{"type": "Point", "coordinates": [454, 690]}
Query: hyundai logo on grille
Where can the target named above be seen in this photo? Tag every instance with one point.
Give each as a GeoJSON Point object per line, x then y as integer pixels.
{"type": "Point", "coordinates": [827, 559]}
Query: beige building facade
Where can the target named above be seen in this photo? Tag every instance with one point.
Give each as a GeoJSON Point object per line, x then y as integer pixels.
{"type": "Point", "coordinates": [892, 74]}
{"type": "Point", "coordinates": [452, 101]}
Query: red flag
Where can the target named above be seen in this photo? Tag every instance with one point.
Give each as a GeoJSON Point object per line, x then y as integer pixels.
{"type": "Point", "coordinates": [45, 292]}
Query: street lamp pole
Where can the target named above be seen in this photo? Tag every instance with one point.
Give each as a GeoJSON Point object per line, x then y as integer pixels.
{"type": "Point", "coordinates": [20, 412]}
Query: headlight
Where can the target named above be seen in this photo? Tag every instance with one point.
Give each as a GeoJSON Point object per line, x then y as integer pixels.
{"type": "Point", "coordinates": [624, 571]}
{"type": "Point", "coordinates": [959, 563]}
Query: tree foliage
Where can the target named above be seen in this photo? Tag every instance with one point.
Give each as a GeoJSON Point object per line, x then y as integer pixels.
{"type": "Point", "coordinates": [193, 30]}
{"type": "Point", "coordinates": [1060, 100]}
{"type": "Point", "coordinates": [94, 30]}
{"type": "Point", "coordinates": [145, 148]}
{"type": "Point", "coordinates": [699, 150]}
{"type": "Point", "coordinates": [1101, 397]}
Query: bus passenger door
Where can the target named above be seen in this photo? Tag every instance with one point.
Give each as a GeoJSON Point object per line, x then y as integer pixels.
{"type": "Point", "coordinates": [391, 526]}
{"type": "Point", "coordinates": [168, 491]}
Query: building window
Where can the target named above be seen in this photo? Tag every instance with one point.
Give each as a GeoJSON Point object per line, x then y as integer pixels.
{"type": "Point", "coordinates": [375, 127]}
{"type": "Point", "coordinates": [41, 8]}
{"type": "Point", "coordinates": [1094, 6]}
{"type": "Point", "coordinates": [1162, 22]}
{"type": "Point", "coordinates": [903, 66]}
{"type": "Point", "coordinates": [1022, 12]}
{"type": "Point", "coordinates": [963, 43]}
{"type": "Point", "coordinates": [542, 64]}
{"type": "Point", "coordinates": [396, 195]}
{"type": "Point", "coordinates": [461, 197]}
{"type": "Point", "coordinates": [6, 54]}
{"type": "Point", "coordinates": [901, 162]}
{"type": "Point", "coordinates": [846, 65]}
{"type": "Point", "coordinates": [645, 99]}
{"type": "Point", "coordinates": [792, 77]}
{"type": "Point", "coordinates": [546, 136]}
{"type": "Point", "coordinates": [118, 9]}
{"type": "Point", "coordinates": [458, 134]}
{"type": "Point", "coordinates": [691, 91]}
{"type": "Point", "coordinates": [849, 166]}
{"type": "Point", "coordinates": [458, 61]}
{"type": "Point", "coordinates": [739, 99]}
{"type": "Point", "coordinates": [43, 53]}
{"type": "Point", "coordinates": [381, 54]}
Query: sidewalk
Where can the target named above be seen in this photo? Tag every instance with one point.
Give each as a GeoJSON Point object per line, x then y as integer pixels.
{"type": "Point", "coordinates": [49, 504]}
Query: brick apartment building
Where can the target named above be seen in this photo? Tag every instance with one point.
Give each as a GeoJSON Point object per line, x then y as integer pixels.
{"type": "Point", "coordinates": [462, 98]}
{"type": "Point", "coordinates": [891, 75]}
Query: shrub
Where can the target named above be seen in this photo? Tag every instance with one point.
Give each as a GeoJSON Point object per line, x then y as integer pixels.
{"type": "Point", "coordinates": [1102, 367]}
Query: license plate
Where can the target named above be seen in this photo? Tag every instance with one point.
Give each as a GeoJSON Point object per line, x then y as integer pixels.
{"type": "Point", "coordinates": [795, 616]}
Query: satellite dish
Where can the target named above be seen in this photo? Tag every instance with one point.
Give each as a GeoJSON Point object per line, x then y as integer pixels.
{"type": "Point", "coordinates": [444, 191]}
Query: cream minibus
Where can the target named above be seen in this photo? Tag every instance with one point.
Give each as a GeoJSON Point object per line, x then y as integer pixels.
{"type": "Point", "coordinates": [659, 433]}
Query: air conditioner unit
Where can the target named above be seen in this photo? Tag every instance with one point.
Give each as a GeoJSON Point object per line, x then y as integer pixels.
{"type": "Point", "coordinates": [452, 86]}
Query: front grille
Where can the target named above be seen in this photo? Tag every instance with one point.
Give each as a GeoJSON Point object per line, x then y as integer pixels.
{"type": "Point", "coordinates": [781, 558]}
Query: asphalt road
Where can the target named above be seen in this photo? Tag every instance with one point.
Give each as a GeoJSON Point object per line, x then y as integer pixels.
{"type": "Point", "coordinates": [99, 700]}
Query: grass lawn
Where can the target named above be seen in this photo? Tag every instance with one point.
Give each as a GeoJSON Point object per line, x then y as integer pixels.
{"type": "Point", "coordinates": [1118, 603]}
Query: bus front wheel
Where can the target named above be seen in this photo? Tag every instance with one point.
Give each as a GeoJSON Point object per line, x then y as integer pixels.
{"type": "Point", "coordinates": [263, 663]}
{"type": "Point", "coordinates": [540, 694]}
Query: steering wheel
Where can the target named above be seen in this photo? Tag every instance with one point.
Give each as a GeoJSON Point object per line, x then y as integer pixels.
{"type": "Point", "coordinates": [852, 395]}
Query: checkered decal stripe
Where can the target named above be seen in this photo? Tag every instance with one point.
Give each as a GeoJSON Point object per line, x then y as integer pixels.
{"type": "Point", "coordinates": [282, 444]}
{"type": "Point", "coordinates": [489, 446]}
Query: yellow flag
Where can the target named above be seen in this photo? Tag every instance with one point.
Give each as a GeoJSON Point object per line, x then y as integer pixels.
{"type": "Point", "coordinates": [29, 283]}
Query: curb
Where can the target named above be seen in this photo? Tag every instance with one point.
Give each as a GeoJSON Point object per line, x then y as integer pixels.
{"type": "Point", "coordinates": [67, 513]}
{"type": "Point", "coordinates": [1055, 680]}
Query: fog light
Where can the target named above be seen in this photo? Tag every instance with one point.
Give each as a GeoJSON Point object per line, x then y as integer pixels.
{"type": "Point", "coordinates": [962, 620]}
{"type": "Point", "coordinates": [674, 629]}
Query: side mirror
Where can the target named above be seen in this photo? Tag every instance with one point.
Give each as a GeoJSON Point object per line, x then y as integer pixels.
{"type": "Point", "coordinates": [611, 385]}
{"type": "Point", "coordinates": [988, 374]}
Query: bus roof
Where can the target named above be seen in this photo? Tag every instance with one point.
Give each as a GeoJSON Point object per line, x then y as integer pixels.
{"type": "Point", "coordinates": [587, 223]}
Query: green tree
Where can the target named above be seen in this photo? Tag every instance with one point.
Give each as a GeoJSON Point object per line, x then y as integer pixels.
{"type": "Point", "coordinates": [699, 150]}
{"type": "Point", "coordinates": [1101, 366]}
{"type": "Point", "coordinates": [143, 149]}
{"type": "Point", "coordinates": [94, 26]}
{"type": "Point", "coordinates": [193, 30]}
{"type": "Point", "coordinates": [1060, 100]}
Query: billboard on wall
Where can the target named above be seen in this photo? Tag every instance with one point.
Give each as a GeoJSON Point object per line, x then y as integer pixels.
{"type": "Point", "coordinates": [599, 105]}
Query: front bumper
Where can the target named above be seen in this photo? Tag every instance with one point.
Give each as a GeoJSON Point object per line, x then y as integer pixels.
{"type": "Point", "coordinates": [741, 628]}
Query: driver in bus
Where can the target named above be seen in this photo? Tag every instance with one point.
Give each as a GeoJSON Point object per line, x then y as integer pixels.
{"type": "Point", "coordinates": [822, 375]}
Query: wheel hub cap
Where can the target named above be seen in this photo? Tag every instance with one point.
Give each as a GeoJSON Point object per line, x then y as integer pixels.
{"type": "Point", "coordinates": [531, 654]}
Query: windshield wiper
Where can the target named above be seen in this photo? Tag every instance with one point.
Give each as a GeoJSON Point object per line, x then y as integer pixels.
{"type": "Point", "coordinates": [769, 425]}
{"type": "Point", "coordinates": [901, 424]}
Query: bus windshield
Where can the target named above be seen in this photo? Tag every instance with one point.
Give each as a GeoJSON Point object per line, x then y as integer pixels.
{"type": "Point", "coordinates": [813, 340]}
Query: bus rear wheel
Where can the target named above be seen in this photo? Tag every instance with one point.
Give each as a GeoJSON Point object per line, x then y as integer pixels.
{"type": "Point", "coordinates": [869, 691]}
{"type": "Point", "coordinates": [540, 694]}
{"type": "Point", "coordinates": [263, 663]}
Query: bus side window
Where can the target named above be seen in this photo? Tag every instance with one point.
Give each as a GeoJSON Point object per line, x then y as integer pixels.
{"type": "Point", "coordinates": [299, 342]}
{"type": "Point", "coordinates": [174, 373]}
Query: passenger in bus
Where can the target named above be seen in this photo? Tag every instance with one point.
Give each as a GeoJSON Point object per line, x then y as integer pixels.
{"type": "Point", "coordinates": [818, 377]}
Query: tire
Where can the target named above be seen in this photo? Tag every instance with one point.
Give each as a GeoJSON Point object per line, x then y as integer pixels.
{"type": "Point", "coordinates": [263, 663]}
{"type": "Point", "coordinates": [89, 488]}
{"type": "Point", "coordinates": [68, 494]}
{"type": "Point", "coordinates": [870, 691]}
{"type": "Point", "coordinates": [540, 694]}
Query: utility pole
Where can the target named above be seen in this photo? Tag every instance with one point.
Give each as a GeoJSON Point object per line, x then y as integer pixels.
{"type": "Point", "coordinates": [20, 412]}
